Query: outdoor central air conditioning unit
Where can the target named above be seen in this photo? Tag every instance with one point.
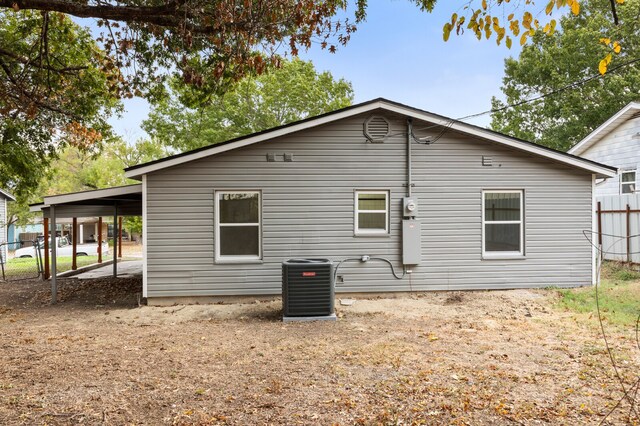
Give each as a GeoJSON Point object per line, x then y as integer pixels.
{"type": "Point", "coordinates": [307, 290]}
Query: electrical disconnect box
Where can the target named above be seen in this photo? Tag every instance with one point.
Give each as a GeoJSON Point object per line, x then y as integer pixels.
{"type": "Point", "coordinates": [411, 233]}
{"type": "Point", "coordinates": [410, 207]}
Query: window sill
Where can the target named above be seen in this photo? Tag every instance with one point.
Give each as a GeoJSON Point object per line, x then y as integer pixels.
{"type": "Point", "coordinates": [238, 261]}
{"type": "Point", "coordinates": [368, 235]}
{"type": "Point", "coordinates": [503, 256]}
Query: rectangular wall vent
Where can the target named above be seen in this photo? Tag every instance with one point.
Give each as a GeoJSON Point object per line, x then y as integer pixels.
{"type": "Point", "coordinates": [487, 161]}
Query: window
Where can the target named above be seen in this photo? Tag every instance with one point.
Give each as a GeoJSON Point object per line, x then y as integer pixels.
{"type": "Point", "coordinates": [372, 212]}
{"type": "Point", "coordinates": [628, 182]}
{"type": "Point", "coordinates": [502, 223]}
{"type": "Point", "coordinates": [238, 230]}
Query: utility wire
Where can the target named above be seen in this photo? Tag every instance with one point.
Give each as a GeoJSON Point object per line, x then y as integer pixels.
{"type": "Point", "coordinates": [553, 92]}
{"type": "Point", "coordinates": [450, 122]}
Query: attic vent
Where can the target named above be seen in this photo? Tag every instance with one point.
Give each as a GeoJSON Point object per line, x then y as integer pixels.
{"type": "Point", "coordinates": [487, 161]}
{"type": "Point", "coordinates": [376, 129]}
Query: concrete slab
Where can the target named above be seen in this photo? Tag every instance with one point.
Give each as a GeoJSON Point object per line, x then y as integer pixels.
{"type": "Point", "coordinates": [126, 269]}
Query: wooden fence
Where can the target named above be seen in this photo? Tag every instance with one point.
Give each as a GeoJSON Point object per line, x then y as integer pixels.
{"type": "Point", "coordinates": [618, 218]}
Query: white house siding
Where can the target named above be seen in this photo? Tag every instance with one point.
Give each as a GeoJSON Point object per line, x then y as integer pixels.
{"type": "Point", "coordinates": [308, 211]}
{"type": "Point", "coordinates": [619, 148]}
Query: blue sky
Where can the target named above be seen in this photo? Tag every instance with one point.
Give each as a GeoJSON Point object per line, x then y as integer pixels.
{"type": "Point", "coordinates": [399, 54]}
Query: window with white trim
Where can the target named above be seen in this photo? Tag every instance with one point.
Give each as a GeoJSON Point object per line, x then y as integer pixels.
{"type": "Point", "coordinates": [238, 225]}
{"type": "Point", "coordinates": [371, 212]}
{"type": "Point", "coordinates": [502, 223]}
{"type": "Point", "coordinates": [628, 182]}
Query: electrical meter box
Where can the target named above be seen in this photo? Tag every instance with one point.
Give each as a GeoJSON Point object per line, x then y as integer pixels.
{"type": "Point", "coordinates": [410, 207]}
{"type": "Point", "coordinates": [411, 233]}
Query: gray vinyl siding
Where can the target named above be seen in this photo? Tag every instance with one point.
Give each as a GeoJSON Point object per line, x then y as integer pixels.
{"type": "Point", "coordinates": [308, 211]}
{"type": "Point", "coordinates": [620, 148]}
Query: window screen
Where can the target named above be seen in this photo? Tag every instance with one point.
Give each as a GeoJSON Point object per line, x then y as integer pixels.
{"type": "Point", "coordinates": [238, 225]}
{"type": "Point", "coordinates": [502, 222]}
{"type": "Point", "coordinates": [372, 212]}
{"type": "Point", "coordinates": [628, 182]}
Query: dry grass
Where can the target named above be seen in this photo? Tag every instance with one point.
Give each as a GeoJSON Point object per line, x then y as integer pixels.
{"type": "Point", "coordinates": [473, 358]}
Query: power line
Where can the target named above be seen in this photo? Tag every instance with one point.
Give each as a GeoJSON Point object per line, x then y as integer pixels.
{"type": "Point", "coordinates": [553, 92]}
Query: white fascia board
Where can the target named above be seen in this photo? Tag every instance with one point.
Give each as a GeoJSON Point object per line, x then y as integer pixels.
{"type": "Point", "coordinates": [92, 195]}
{"type": "Point", "coordinates": [7, 195]}
{"type": "Point", "coordinates": [38, 207]}
{"type": "Point", "coordinates": [615, 120]}
{"type": "Point", "coordinates": [455, 125]}
{"type": "Point", "coordinates": [506, 140]}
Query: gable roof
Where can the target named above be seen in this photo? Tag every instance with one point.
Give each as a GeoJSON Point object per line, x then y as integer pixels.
{"type": "Point", "coordinates": [7, 195]}
{"type": "Point", "coordinates": [136, 172]}
{"type": "Point", "coordinates": [620, 117]}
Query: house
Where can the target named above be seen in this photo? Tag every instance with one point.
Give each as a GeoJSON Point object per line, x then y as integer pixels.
{"type": "Point", "coordinates": [5, 197]}
{"type": "Point", "coordinates": [615, 142]}
{"type": "Point", "coordinates": [448, 205]}
{"type": "Point", "coordinates": [28, 232]}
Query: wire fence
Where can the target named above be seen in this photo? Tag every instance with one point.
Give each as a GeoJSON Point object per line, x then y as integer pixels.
{"type": "Point", "coordinates": [20, 260]}
{"type": "Point", "coordinates": [629, 391]}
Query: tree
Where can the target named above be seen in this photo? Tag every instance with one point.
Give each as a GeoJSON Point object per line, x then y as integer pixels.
{"type": "Point", "coordinates": [75, 169]}
{"type": "Point", "coordinates": [55, 89]}
{"type": "Point", "coordinates": [291, 93]}
{"type": "Point", "coordinates": [561, 119]}
{"type": "Point", "coordinates": [57, 82]}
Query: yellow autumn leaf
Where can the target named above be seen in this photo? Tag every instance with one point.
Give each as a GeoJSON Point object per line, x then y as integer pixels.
{"type": "Point", "coordinates": [602, 67]}
{"type": "Point", "coordinates": [510, 17]}
{"type": "Point", "coordinates": [515, 27]}
{"type": "Point", "coordinates": [546, 28]}
{"type": "Point", "coordinates": [484, 4]}
{"type": "Point", "coordinates": [523, 39]}
{"type": "Point", "coordinates": [508, 42]}
{"type": "Point", "coordinates": [620, 1]}
{"type": "Point", "coordinates": [549, 7]}
{"type": "Point", "coordinates": [616, 47]}
{"type": "Point", "coordinates": [446, 31]}
{"type": "Point", "coordinates": [605, 40]}
{"type": "Point", "coordinates": [575, 7]}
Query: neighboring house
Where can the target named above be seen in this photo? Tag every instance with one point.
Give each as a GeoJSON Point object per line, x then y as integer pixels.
{"type": "Point", "coordinates": [5, 197]}
{"type": "Point", "coordinates": [617, 143]}
{"type": "Point", "coordinates": [486, 211]}
{"type": "Point", "coordinates": [29, 231]}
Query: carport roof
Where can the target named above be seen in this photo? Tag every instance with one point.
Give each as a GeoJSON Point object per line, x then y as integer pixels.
{"type": "Point", "coordinates": [99, 202]}
{"type": "Point", "coordinates": [101, 197]}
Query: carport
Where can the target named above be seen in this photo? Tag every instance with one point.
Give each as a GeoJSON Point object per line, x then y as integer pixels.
{"type": "Point", "coordinates": [119, 201]}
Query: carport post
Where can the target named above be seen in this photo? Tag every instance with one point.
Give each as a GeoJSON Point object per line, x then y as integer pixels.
{"type": "Point", "coordinates": [46, 248]}
{"type": "Point", "coordinates": [100, 239]}
{"type": "Point", "coordinates": [120, 236]}
{"type": "Point", "coordinates": [74, 243]}
{"type": "Point", "coordinates": [115, 241]}
{"type": "Point", "coordinates": [54, 284]}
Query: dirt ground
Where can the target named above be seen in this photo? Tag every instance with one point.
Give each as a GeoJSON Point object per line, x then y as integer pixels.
{"type": "Point", "coordinates": [475, 358]}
